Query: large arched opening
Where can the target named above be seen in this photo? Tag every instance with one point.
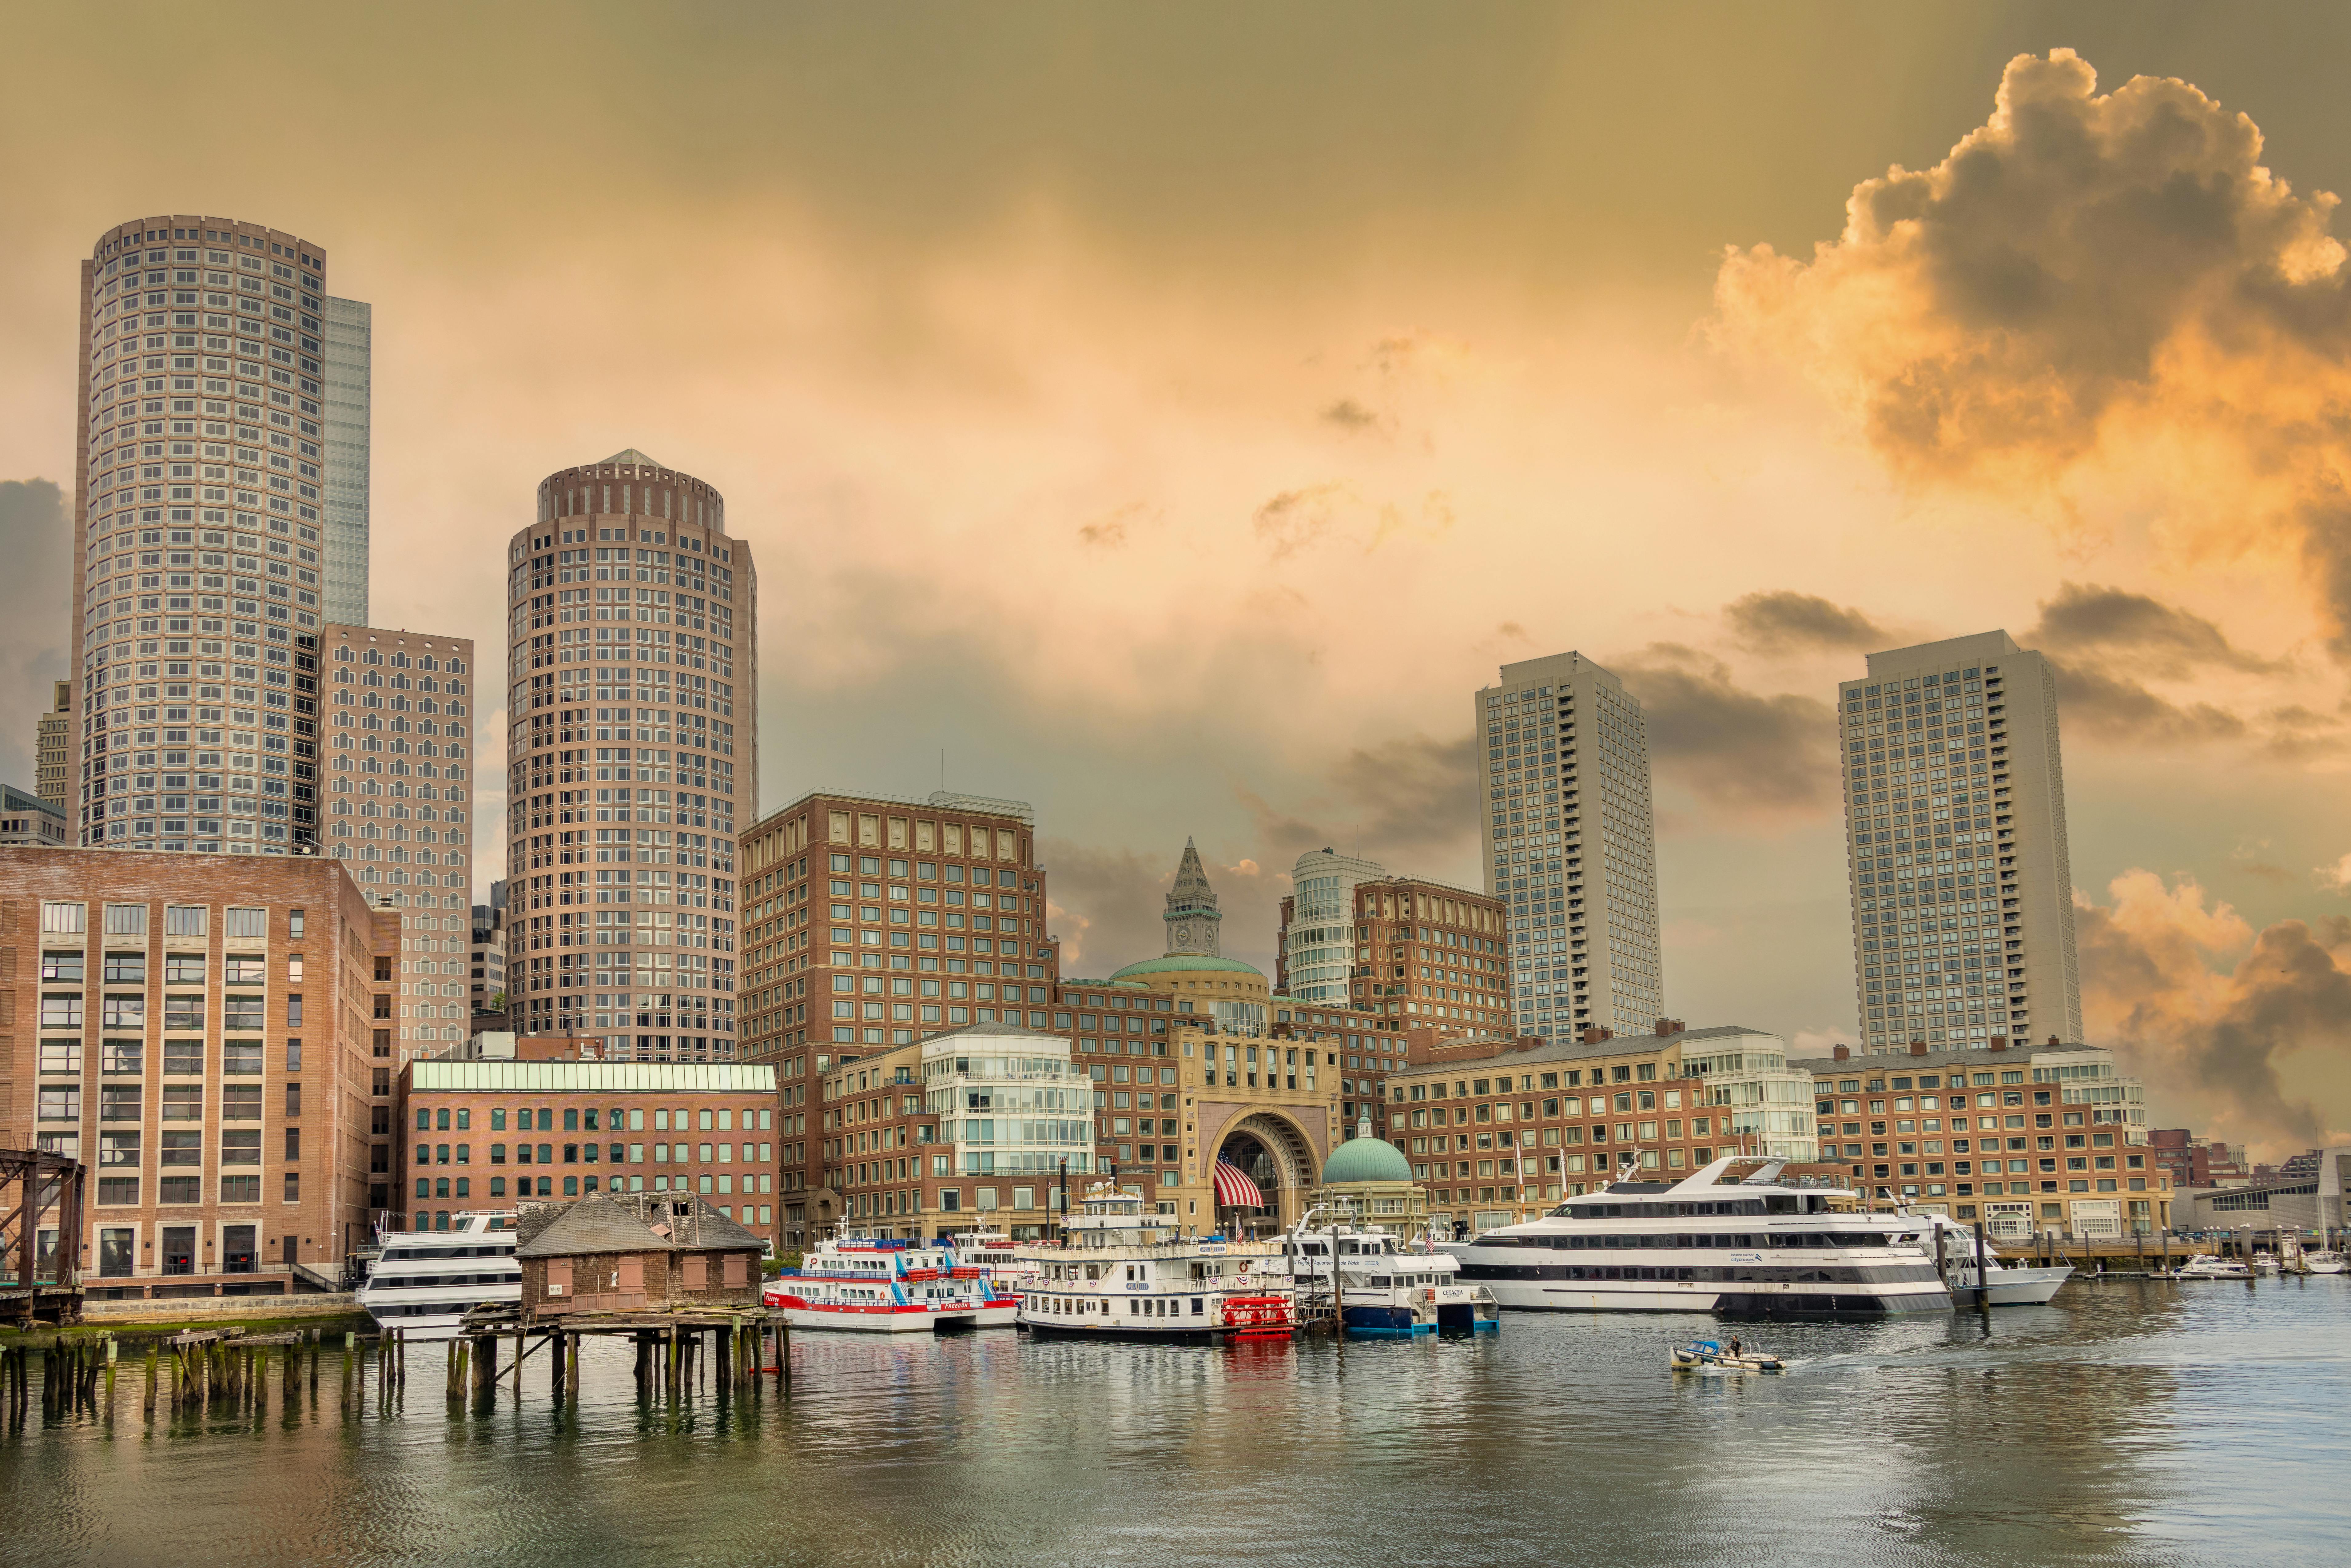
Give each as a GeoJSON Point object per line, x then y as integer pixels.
{"type": "Point", "coordinates": [1275, 1153]}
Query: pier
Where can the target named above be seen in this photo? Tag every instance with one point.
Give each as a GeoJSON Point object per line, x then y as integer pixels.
{"type": "Point", "coordinates": [677, 1352]}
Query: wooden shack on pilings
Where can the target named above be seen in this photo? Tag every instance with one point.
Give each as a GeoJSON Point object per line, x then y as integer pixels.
{"type": "Point", "coordinates": [634, 1252]}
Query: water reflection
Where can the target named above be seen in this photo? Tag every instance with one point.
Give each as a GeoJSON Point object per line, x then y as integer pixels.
{"type": "Point", "coordinates": [2131, 1423]}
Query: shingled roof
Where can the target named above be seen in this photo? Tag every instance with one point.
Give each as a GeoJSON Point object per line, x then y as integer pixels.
{"type": "Point", "coordinates": [628, 1222]}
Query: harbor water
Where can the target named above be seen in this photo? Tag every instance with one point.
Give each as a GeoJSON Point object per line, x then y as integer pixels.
{"type": "Point", "coordinates": [2130, 1422]}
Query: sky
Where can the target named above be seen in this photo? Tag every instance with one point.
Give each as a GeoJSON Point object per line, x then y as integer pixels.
{"type": "Point", "coordinates": [1169, 417]}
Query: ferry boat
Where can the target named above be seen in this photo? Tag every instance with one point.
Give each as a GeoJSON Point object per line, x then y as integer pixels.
{"type": "Point", "coordinates": [1386, 1290]}
{"type": "Point", "coordinates": [1733, 1239]}
{"type": "Point", "coordinates": [2206, 1266]}
{"type": "Point", "coordinates": [993, 1251]}
{"type": "Point", "coordinates": [1120, 1273]}
{"type": "Point", "coordinates": [873, 1286]}
{"type": "Point", "coordinates": [424, 1283]}
{"type": "Point", "coordinates": [2012, 1284]}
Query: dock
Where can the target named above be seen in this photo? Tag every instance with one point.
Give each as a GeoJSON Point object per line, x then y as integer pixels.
{"type": "Point", "coordinates": [677, 1352]}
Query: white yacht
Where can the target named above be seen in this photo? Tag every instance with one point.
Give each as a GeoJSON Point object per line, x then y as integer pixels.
{"type": "Point", "coordinates": [423, 1281]}
{"type": "Point", "coordinates": [1733, 1239]}
{"type": "Point", "coordinates": [2207, 1265]}
{"type": "Point", "coordinates": [1120, 1273]}
{"type": "Point", "coordinates": [1386, 1290]}
{"type": "Point", "coordinates": [2012, 1284]}
{"type": "Point", "coordinates": [2323, 1262]}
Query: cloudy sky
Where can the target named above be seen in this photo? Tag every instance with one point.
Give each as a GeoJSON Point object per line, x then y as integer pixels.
{"type": "Point", "coordinates": [1170, 416]}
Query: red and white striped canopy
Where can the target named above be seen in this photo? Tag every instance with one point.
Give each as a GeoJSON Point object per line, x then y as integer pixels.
{"type": "Point", "coordinates": [1234, 1188]}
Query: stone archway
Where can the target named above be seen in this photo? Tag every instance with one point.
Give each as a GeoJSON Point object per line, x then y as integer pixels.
{"type": "Point", "coordinates": [1274, 1151]}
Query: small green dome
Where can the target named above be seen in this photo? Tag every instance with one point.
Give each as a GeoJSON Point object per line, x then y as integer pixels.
{"type": "Point", "coordinates": [1365, 1159]}
{"type": "Point", "coordinates": [1189, 964]}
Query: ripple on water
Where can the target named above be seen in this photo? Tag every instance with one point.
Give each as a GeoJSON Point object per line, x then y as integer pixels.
{"type": "Point", "coordinates": [2133, 1423]}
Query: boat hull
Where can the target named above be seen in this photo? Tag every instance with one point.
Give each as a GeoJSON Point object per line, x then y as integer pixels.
{"type": "Point", "coordinates": [2013, 1287]}
{"type": "Point", "coordinates": [894, 1319]}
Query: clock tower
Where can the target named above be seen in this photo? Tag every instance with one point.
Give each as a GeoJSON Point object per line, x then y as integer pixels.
{"type": "Point", "coordinates": [1192, 916]}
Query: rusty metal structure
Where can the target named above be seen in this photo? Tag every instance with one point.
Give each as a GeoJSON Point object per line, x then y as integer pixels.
{"type": "Point", "coordinates": [37, 1186]}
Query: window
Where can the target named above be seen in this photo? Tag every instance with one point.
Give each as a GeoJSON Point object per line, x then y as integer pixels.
{"type": "Point", "coordinates": [184, 920]}
{"type": "Point", "coordinates": [247, 922]}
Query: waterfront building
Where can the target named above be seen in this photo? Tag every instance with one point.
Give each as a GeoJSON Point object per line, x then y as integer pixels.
{"type": "Point", "coordinates": [349, 399]}
{"type": "Point", "coordinates": [2191, 1160]}
{"type": "Point", "coordinates": [27, 819]}
{"type": "Point", "coordinates": [632, 755]}
{"type": "Point", "coordinates": [200, 562]}
{"type": "Point", "coordinates": [634, 1252]}
{"type": "Point", "coordinates": [2307, 1199]}
{"type": "Point", "coordinates": [1955, 851]}
{"type": "Point", "coordinates": [1368, 1180]}
{"type": "Point", "coordinates": [1527, 1122]}
{"type": "Point", "coordinates": [396, 784]}
{"type": "Point", "coordinates": [212, 1035]}
{"type": "Point", "coordinates": [1565, 797]}
{"type": "Point", "coordinates": [874, 921]}
{"type": "Point", "coordinates": [53, 751]}
{"type": "Point", "coordinates": [2027, 1138]}
{"type": "Point", "coordinates": [484, 1133]}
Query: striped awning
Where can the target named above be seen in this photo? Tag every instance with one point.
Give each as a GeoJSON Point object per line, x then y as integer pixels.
{"type": "Point", "coordinates": [1234, 1188]}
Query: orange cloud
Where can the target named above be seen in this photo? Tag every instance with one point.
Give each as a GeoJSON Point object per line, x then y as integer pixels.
{"type": "Point", "coordinates": [2106, 301]}
{"type": "Point", "coordinates": [2217, 1046]}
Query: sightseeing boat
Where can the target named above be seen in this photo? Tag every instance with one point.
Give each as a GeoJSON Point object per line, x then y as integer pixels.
{"type": "Point", "coordinates": [872, 1286]}
{"type": "Point", "coordinates": [1386, 1290]}
{"type": "Point", "coordinates": [423, 1282]}
{"type": "Point", "coordinates": [1120, 1273]}
{"type": "Point", "coordinates": [1734, 1239]}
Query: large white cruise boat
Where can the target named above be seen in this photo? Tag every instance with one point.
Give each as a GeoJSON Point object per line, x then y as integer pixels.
{"type": "Point", "coordinates": [423, 1281]}
{"type": "Point", "coordinates": [1733, 1239]}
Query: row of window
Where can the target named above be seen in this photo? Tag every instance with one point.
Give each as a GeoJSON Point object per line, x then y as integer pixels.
{"type": "Point", "coordinates": [587, 1153]}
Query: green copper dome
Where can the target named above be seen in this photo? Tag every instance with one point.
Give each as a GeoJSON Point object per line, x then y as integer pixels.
{"type": "Point", "coordinates": [1365, 1159]}
{"type": "Point", "coordinates": [1189, 964]}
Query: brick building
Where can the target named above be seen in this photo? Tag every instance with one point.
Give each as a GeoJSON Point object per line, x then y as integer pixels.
{"type": "Point", "coordinates": [210, 1034]}
{"type": "Point", "coordinates": [2047, 1138]}
{"type": "Point", "coordinates": [1404, 951]}
{"type": "Point", "coordinates": [2191, 1160]}
{"type": "Point", "coordinates": [634, 1252]}
{"type": "Point", "coordinates": [1528, 1121]}
{"type": "Point", "coordinates": [486, 1134]}
{"type": "Point", "coordinates": [872, 922]}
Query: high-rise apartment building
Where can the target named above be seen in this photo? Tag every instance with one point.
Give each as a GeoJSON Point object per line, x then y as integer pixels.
{"type": "Point", "coordinates": [631, 754]}
{"type": "Point", "coordinates": [53, 749]}
{"type": "Point", "coordinates": [1955, 825]}
{"type": "Point", "coordinates": [396, 776]}
{"type": "Point", "coordinates": [1572, 846]}
{"type": "Point", "coordinates": [350, 400]}
{"type": "Point", "coordinates": [200, 562]}
{"type": "Point", "coordinates": [1317, 944]}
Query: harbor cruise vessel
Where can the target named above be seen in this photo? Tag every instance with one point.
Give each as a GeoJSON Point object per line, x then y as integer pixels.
{"type": "Point", "coordinates": [871, 1286]}
{"type": "Point", "coordinates": [1120, 1273]}
{"type": "Point", "coordinates": [1386, 1290]}
{"type": "Point", "coordinates": [1732, 1238]}
{"type": "Point", "coordinates": [425, 1282]}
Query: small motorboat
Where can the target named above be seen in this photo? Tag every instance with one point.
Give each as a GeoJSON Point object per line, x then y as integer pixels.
{"type": "Point", "coordinates": [2265, 1262]}
{"type": "Point", "coordinates": [2206, 1266]}
{"type": "Point", "coordinates": [1699, 1354]}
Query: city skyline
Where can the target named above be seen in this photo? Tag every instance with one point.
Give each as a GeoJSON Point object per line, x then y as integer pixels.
{"type": "Point", "coordinates": [1246, 600]}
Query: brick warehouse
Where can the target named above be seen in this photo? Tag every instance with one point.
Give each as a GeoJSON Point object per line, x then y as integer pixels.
{"type": "Point", "coordinates": [211, 1035]}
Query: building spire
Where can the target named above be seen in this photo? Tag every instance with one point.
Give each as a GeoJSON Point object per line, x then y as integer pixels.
{"type": "Point", "coordinates": [1192, 916]}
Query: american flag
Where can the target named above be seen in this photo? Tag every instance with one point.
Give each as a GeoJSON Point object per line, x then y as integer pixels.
{"type": "Point", "coordinates": [1234, 1188]}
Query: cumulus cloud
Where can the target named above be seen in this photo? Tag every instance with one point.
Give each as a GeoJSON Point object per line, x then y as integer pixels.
{"type": "Point", "coordinates": [2215, 1043]}
{"type": "Point", "coordinates": [2090, 279]}
{"type": "Point", "coordinates": [1785, 621]}
{"type": "Point", "coordinates": [34, 592]}
{"type": "Point", "coordinates": [2161, 639]}
{"type": "Point", "coordinates": [1728, 746]}
{"type": "Point", "coordinates": [2336, 878]}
